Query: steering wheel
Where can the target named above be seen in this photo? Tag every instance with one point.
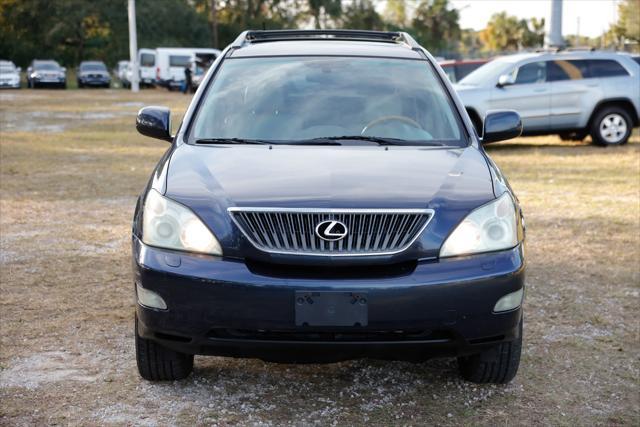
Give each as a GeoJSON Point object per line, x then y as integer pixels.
{"type": "Point", "coordinates": [384, 119]}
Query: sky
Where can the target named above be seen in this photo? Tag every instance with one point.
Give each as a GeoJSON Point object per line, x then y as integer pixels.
{"type": "Point", "coordinates": [595, 15]}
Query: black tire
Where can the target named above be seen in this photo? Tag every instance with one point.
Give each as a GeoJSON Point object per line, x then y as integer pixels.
{"type": "Point", "coordinates": [497, 365]}
{"type": "Point", "coordinates": [616, 116]}
{"type": "Point", "coordinates": [157, 363]}
{"type": "Point", "coordinates": [80, 85]}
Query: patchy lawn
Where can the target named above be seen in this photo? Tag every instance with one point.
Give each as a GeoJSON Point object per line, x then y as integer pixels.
{"type": "Point", "coordinates": [71, 166]}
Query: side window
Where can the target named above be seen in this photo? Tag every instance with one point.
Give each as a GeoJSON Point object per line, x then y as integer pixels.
{"type": "Point", "coordinates": [556, 71]}
{"type": "Point", "coordinates": [571, 69]}
{"type": "Point", "coordinates": [606, 68]}
{"type": "Point", "coordinates": [536, 72]}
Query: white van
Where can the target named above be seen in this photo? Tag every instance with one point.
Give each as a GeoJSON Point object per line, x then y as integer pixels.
{"type": "Point", "coordinates": [172, 61]}
{"type": "Point", "coordinates": [147, 64]}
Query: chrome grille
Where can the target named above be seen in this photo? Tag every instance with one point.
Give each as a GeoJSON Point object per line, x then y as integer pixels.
{"type": "Point", "coordinates": [370, 231]}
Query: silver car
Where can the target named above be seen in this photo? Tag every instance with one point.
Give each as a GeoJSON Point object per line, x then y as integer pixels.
{"type": "Point", "coordinates": [572, 94]}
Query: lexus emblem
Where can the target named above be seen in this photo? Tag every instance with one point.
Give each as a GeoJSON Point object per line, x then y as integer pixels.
{"type": "Point", "coordinates": [331, 230]}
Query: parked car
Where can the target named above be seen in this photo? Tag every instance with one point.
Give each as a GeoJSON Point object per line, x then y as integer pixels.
{"type": "Point", "coordinates": [171, 63]}
{"type": "Point", "coordinates": [572, 94]}
{"type": "Point", "coordinates": [93, 73]}
{"type": "Point", "coordinates": [327, 198]}
{"type": "Point", "coordinates": [147, 67]}
{"type": "Point", "coordinates": [9, 75]}
{"type": "Point", "coordinates": [46, 72]}
{"type": "Point", "coordinates": [457, 69]}
{"type": "Point", "coordinates": [120, 72]}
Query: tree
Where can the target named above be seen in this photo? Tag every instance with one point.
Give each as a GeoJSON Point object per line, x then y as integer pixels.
{"type": "Point", "coordinates": [436, 25]}
{"type": "Point", "coordinates": [533, 32]}
{"type": "Point", "coordinates": [629, 20]}
{"type": "Point", "coordinates": [362, 15]}
{"type": "Point", "coordinates": [395, 13]}
{"type": "Point", "coordinates": [508, 33]}
{"type": "Point", "coordinates": [320, 10]}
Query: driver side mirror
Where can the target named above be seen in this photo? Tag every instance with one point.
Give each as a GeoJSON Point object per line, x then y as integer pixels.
{"type": "Point", "coordinates": [505, 80]}
{"type": "Point", "coordinates": [500, 125]}
{"type": "Point", "coordinates": [155, 122]}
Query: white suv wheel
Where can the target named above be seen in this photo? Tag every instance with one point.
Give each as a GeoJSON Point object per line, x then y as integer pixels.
{"type": "Point", "coordinates": [613, 128]}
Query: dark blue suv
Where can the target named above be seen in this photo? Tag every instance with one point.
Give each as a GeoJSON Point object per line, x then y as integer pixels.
{"type": "Point", "coordinates": [325, 198]}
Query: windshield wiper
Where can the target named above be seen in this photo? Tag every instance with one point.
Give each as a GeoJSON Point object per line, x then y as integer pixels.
{"type": "Point", "coordinates": [319, 141]}
{"type": "Point", "coordinates": [378, 140]}
{"type": "Point", "coordinates": [230, 141]}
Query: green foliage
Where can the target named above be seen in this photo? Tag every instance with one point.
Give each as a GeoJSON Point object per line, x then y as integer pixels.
{"type": "Point", "coordinates": [362, 15]}
{"type": "Point", "coordinates": [508, 33]}
{"type": "Point", "coordinates": [629, 20]}
{"type": "Point", "coordinates": [435, 25]}
{"type": "Point", "coordinates": [74, 30]}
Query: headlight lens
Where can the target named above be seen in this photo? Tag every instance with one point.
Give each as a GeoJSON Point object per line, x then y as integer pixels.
{"type": "Point", "coordinates": [491, 227]}
{"type": "Point", "coordinates": [168, 224]}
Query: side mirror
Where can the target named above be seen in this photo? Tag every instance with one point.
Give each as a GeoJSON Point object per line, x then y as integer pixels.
{"type": "Point", "coordinates": [155, 122]}
{"type": "Point", "coordinates": [505, 80]}
{"type": "Point", "coordinates": [500, 125]}
{"type": "Point", "coordinates": [18, 69]}
{"type": "Point", "coordinates": [64, 69]}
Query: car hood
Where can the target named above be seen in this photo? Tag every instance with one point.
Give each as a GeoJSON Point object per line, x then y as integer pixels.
{"type": "Point", "coordinates": [211, 179]}
{"type": "Point", "coordinates": [331, 177]}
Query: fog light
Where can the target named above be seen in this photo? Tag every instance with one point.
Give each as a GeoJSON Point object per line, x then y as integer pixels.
{"type": "Point", "coordinates": [149, 298]}
{"type": "Point", "coordinates": [509, 301]}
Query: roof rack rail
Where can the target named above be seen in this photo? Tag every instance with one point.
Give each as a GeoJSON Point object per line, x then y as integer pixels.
{"type": "Point", "coordinates": [258, 36]}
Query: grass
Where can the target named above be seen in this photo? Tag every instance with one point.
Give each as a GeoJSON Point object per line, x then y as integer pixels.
{"type": "Point", "coordinates": [71, 166]}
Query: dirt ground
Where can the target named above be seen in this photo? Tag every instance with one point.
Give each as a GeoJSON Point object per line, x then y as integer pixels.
{"type": "Point", "coordinates": [71, 166]}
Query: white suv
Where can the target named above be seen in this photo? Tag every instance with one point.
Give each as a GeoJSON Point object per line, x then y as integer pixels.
{"type": "Point", "coordinates": [567, 93]}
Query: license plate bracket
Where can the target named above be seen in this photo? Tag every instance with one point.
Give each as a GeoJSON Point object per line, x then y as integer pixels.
{"type": "Point", "coordinates": [331, 308]}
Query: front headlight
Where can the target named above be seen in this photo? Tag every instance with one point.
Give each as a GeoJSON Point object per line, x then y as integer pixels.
{"type": "Point", "coordinates": [491, 227]}
{"type": "Point", "coordinates": [168, 224]}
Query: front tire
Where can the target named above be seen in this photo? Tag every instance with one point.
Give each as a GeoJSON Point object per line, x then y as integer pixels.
{"type": "Point", "coordinates": [497, 365]}
{"type": "Point", "coordinates": [157, 363]}
{"type": "Point", "coordinates": [611, 126]}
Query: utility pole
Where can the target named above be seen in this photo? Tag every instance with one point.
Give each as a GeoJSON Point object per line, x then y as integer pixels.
{"type": "Point", "coordinates": [213, 22]}
{"type": "Point", "coordinates": [554, 36]}
{"type": "Point", "coordinates": [133, 47]}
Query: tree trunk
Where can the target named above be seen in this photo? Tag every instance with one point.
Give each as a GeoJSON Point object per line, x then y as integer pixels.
{"type": "Point", "coordinates": [213, 22]}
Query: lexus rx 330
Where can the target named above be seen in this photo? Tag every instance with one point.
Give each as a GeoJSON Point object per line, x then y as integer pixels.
{"type": "Point", "coordinates": [326, 197]}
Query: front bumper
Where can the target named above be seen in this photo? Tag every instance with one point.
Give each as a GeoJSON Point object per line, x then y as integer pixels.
{"type": "Point", "coordinates": [222, 307]}
{"type": "Point", "coordinates": [95, 81]}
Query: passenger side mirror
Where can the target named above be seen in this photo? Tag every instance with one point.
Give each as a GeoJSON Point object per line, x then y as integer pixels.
{"type": "Point", "coordinates": [500, 125]}
{"type": "Point", "coordinates": [505, 80]}
{"type": "Point", "coordinates": [155, 122]}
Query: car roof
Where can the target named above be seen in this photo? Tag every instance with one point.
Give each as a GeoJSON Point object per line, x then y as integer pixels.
{"type": "Point", "coordinates": [326, 48]}
{"type": "Point", "coordinates": [565, 54]}
{"type": "Point", "coordinates": [327, 42]}
{"type": "Point", "coordinates": [91, 63]}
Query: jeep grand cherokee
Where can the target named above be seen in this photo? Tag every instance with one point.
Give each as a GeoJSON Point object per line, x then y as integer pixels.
{"type": "Point", "coordinates": [327, 198]}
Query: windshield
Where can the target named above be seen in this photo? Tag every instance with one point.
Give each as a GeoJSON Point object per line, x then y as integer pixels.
{"type": "Point", "coordinates": [93, 67]}
{"type": "Point", "coordinates": [488, 73]}
{"type": "Point", "coordinates": [7, 68]}
{"type": "Point", "coordinates": [46, 66]}
{"type": "Point", "coordinates": [300, 98]}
